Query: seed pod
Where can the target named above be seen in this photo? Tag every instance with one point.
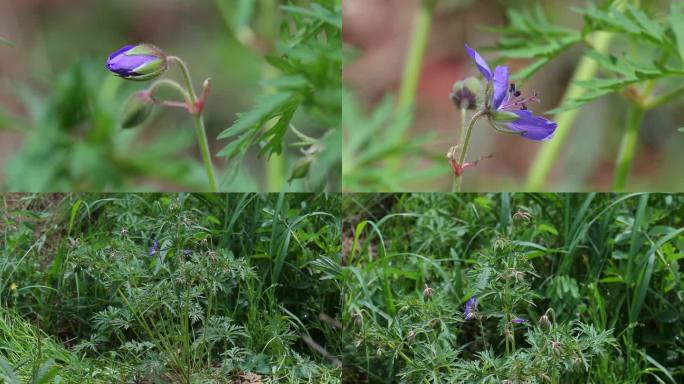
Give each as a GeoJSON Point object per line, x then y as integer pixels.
{"type": "Point", "coordinates": [138, 62]}
{"type": "Point", "coordinates": [137, 110]}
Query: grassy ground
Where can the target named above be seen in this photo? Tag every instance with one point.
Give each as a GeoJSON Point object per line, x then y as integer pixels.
{"type": "Point", "coordinates": [514, 288]}
{"type": "Point", "coordinates": [157, 288]}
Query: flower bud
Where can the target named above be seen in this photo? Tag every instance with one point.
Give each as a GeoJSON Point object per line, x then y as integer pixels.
{"type": "Point", "coordinates": [544, 321]}
{"type": "Point", "coordinates": [357, 317]}
{"type": "Point", "coordinates": [139, 62]}
{"type": "Point", "coordinates": [465, 93]}
{"type": "Point", "coordinates": [138, 108]}
{"type": "Point", "coordinates": [411, 336]}
{"type": "Point", "coordinates": [301, 168]}
{"type": "Point", "coordinates": [556, 348]}
{"type": "Point", "coordinates": [427, 293]}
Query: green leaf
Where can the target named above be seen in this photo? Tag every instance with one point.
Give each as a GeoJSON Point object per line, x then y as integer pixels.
{"type": "Point", "coordinates": [677, 23]}
{"type": "Point", "coordinates": [316, 12]}
{"type": "Point", "coordinates": [681, 129]}
{"type": "Point", "coordinates": [266, 107]}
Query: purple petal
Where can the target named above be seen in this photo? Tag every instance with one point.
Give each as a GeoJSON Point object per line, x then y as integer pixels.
{"type": "Point", "coordinates": [518, 320]}
{"type": "Point", "coordinates": [124, 65]}
{"type": "Point", "coordinates": [120, 51]}
{"type": "Point", "coordinates": [480, 62]}
{"type": "Point", "coordinates": [533, 127]}
{"type": "Point", "coordinates": [500, 85]}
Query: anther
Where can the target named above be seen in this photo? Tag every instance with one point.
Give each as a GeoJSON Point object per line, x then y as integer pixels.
{"type": "Point", "coordinates": [517, 94]}
{"type": "Point", "coordinates": [512, 88]}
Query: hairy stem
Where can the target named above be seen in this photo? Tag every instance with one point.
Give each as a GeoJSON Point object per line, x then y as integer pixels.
{"type": "Point", "coordinates": [463, 147]}
{"type": "Point", "coordinates": [456, 186]}
{"type": "Point", "coordinates": [200, 132]}
{"type": "Point", "coordinates": [625, 159]}
{"type": "Point", "coordinates": [547, 156]}
{"type": "Point", "coordinates": [169, 83]}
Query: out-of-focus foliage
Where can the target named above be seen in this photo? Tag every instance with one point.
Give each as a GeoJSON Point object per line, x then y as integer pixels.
{"type": "Point", "coordinates": [308, 59]}
{"type": "Point", "coordinates": [657, 40]}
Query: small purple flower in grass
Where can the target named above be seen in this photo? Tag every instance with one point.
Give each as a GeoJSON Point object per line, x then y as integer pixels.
{"type": "Point", "coordinates": [518, 320]}
{"type": "Point", "coordinates": [154, 248]}
{"type": "Point", "coordinates": [507, 108]}
{"type": "Point", "coordinates": [470, 311]}
{"type": "Point", "coordinates": [138, 62]}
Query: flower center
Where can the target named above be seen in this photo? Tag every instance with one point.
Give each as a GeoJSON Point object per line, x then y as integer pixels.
{"type": "Point", "coordinates": [516, 101]}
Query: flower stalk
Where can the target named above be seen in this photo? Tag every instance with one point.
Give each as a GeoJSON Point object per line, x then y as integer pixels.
{"type": "Point", "coordinates": [200, 132]}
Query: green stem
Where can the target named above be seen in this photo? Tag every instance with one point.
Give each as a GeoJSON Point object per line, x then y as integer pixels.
{"type": "Point", "coordinates": [169, 83]}
{"type": "Point", "coordinates": [457, 183]}
{"type": "Point", "coordinates": [199, 125]}
{"type": "Point", "coordinates": [625, 159]}
{"type": "Point", "coordinates": [463, 147]}
{"type": "Point", "coordinates": [546, 158]}
{"type": "Point", "coordinates": [414, 58]}
{"type": "Point", "coordinates": [482, 334]}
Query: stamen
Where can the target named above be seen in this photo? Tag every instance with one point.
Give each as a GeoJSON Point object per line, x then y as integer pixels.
{"type": "Point", "coordinates": [512, 88]}
{"type": "Point", "coordinates": [524, 107]}
{"type": "Point", "coordinates": [517, 94]}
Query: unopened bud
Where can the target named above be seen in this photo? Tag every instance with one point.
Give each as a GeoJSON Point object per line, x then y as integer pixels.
{"type": "Point", "coordinates": [465, 93]}
{"type": "Point", "coordinates": [544, 321]}
{"type": "Point", "coordinates": [556, 348]}
{"type": "Point", "coordinates": [138, 108]}
{"type": "Point", "coordinates": [138, 62]}
{"type": "Point", "coordinates": [411, 336]}
{"type": "Point", "coordinates": [301, 168]}
{"type": "Point", "coordinates": [427, 293]}
{"type": "Point", "coordinates": [357, 317]}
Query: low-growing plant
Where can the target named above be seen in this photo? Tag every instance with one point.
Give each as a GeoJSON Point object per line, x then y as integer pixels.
{"type": "Point", "coordinates": [521, 287]}
{"type": "Point", "coordinates": [180, 288]}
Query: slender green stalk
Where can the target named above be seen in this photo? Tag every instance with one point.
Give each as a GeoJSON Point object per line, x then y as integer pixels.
{"type": "Point", "coordinates": [200, 132]}
{"type": "Point", "coordinates": [456, 186]}
{"type": "Point", "coordinates": [463, 147]}
{"type": "Point", "coordinates": [169, 83]}
{"type": "Point", "coordinates": [414, 57]}
{"type": "Point", "coordinates": [547, 156]}
{"type": "Point", "coordinates": [625, 159]}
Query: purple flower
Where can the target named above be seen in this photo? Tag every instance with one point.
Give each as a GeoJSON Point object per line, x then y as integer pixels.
{"type": "Point", "coordinates": [518, 320]}
{"type": "Point", "coordinates": [470, 311]}
{"type": "Point", "coordinates": [137, 62]}
{"type": "Point", "coordinates": [507, 105]}
{"type": "Point", "coordinates": [154, 248]}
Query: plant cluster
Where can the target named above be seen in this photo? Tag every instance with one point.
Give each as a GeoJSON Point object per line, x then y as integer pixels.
{"type": "Point", "coordinates": [173, 288]}
{"type": "Point", "coordinates": [520, 287]}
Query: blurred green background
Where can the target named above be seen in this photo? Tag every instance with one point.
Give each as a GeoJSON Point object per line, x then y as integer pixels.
{"type": "Point", "coordinates": [60, 108]}
{"type": "Point", "coordinates": [377, 53]}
